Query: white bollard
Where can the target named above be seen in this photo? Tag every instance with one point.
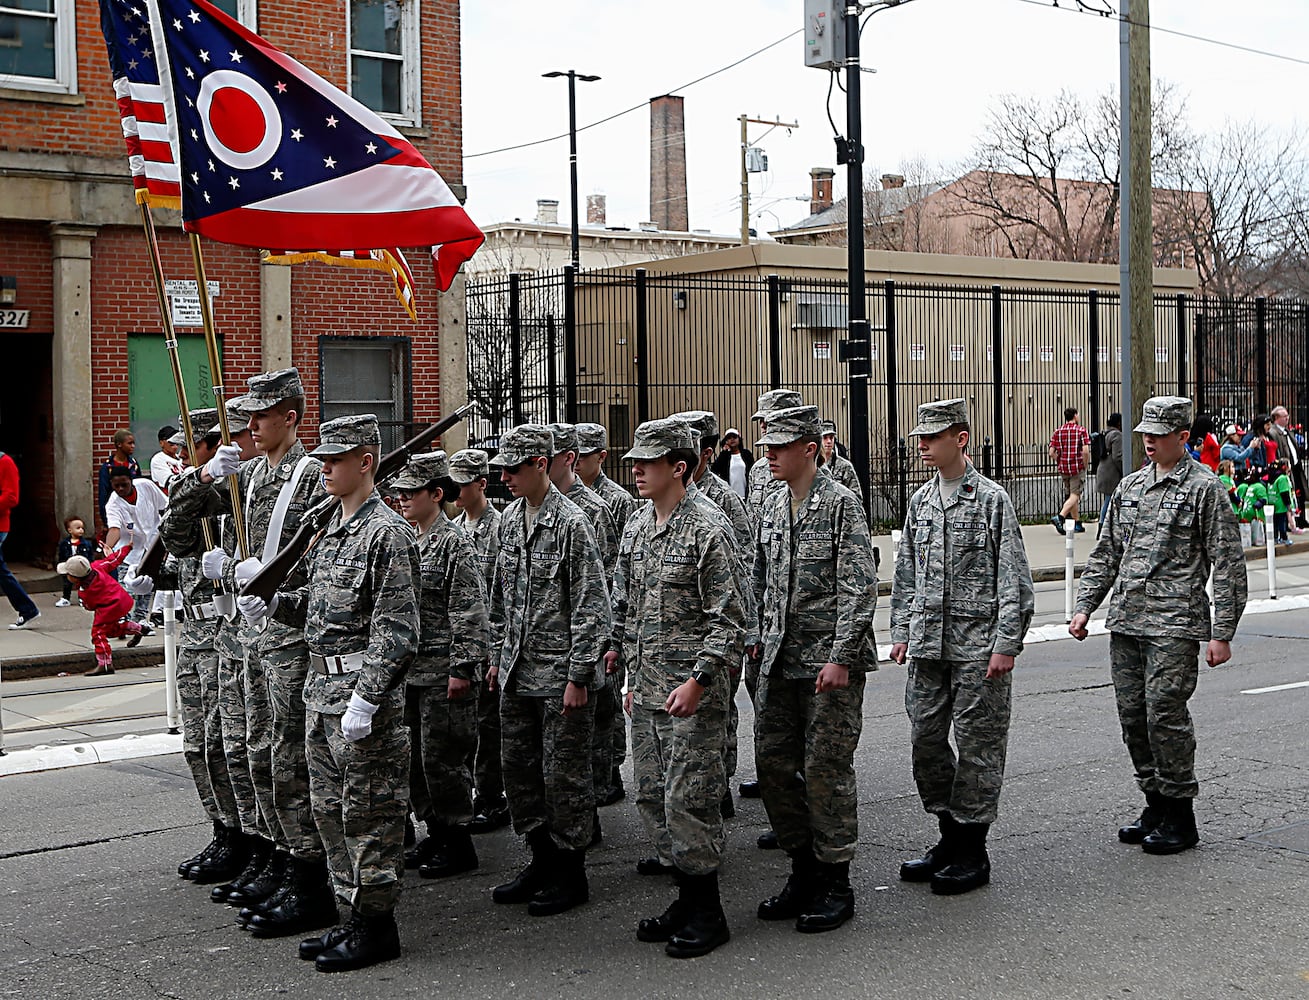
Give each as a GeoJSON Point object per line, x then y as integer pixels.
{"type": "Point", "coordinates": [896, 534]}
{"type": "Point", "coordinates": [1270, 538]}
{"type": "Point", "coordinates": [2, 712]}
{"type": "Point", "coordinates": [170, 668]}
{"type": "Point", "coordinates": [1070, 527]}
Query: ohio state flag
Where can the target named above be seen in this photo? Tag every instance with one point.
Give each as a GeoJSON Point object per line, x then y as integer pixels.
{"type": "Point", "coordinates": [272, 155]}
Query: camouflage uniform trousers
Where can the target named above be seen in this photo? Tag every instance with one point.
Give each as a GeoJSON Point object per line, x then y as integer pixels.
{"type": "Point", "coordinates": [681, 783]}
{"type": "Point", "coordinates": [547, 766]}
{"type": "Point", "coordinates": [360, 794]}
{"type": "Point", "coordinates": [231, 719]}
{"type": "Point", "coordinates": [286, 669]}
{"type": "Point", "coordinates": [1154, 678]}
{"type": "Point", "coordinates": [442, 735]}
{"type": "Point", "coordinates": [730, 745]}
{"type": "Point", "coordinates": [797, 730]}
{"type": "Point", "coordinates": [608, 719]}
{"type": "Point", "coordinates": [259, 742]}
{"type": "Point", "coordinates": [941, 693]}
{"type": "Point", "coordinates": [487, 773]}
{"type": "Point", "coordinates": [619, 731]}
{"type": "Point", "coordinates": [202, 736]}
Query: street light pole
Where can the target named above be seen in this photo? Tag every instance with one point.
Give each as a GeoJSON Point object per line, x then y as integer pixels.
{"type": "Point", "coordinates": [573, 77]}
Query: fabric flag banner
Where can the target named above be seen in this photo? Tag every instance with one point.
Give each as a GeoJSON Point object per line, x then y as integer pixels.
{"type": "Point", "coordinates": [140, 99]}
{"type": "Point", "coordinates": [272, 155]}
{"type": "Point", "coordinates": [391, 261]}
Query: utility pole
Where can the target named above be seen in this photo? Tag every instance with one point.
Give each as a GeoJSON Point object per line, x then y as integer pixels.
{"type": "Point", "coordinates": [858, 352]}
{"type": "Point", "coordinates": [1135, 235]}
{"type": "Point", "coordinates": [746, 121]}
{"type": "Point", "coordinates": [573, 77]}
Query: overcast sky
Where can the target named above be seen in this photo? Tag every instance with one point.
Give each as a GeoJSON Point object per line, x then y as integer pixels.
{"type": "Point", "coordinates": [940, 65]}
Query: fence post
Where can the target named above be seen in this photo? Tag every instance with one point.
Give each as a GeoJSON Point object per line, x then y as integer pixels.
{"type": "Point", "coordinates": [570, 345]}
{"type": "Point", "coordinates": [774, 332]}
{"type": "Point", "coordinates": [1198, 356]}
{"type": "Point", "coordinates": [1093, 355]}
{"type": "Point", "coordinates": [902, 476]}
{"type": "Point", "coordinates": [552, 368]}
{"type": "Point", "coordinates": [1261, 354]}
{"type": "Point", "coordinates": [997, 381]}
{"type": "Point", "coordinates": [515, 352]}
{"type": "Point", "coordinates": [642, 361]}
{"type": "Point", "coordinates": [1302, 395]}
{"type": "Point", "coordinates": [987, 451]}
{"type": "Point", "coordinates": [1181, 346]}
{"type": "Point", "coordinates": [892, 394]}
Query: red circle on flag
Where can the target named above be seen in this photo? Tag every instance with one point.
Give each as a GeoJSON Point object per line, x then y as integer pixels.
{"type": "Point", "coordinates": [237, 120]}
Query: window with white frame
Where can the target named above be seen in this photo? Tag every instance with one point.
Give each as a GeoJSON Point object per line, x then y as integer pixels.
{"type": "Point", "coordinates": [38, 45]}
{"type": "Point", "coordinates": [367, 375]}
{"type": "Point", "coordinates": [384, 69]}
{"type": "Point", "coordinates": [241, 10]}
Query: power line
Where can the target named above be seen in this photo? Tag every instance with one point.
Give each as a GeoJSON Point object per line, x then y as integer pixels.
{"type": "Point", "coordinates": [643, 104]}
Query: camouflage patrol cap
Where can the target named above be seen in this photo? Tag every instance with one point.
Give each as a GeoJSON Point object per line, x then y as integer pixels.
{"type": "Point", "coordinates": [777, 399]}
{"type": "Point", "coordinates": [1164, 414]}
{"type": "Point", "coordinates": [336, 437]}
{"type": "Point", "coordinates": [829, 427]}
{"type": "Point", "coordinates": [938, 416]}
{"type": "Point", "coordinates": [791, 424]}
{"type": "Point", "coordinates": [469, 464]}
{"type": "Point", "coordinates": [656, 438]}
{"type": "Point", "coordinates": [702, 422]}
{"type": "Point", "coordinates": [565, 437]}
{"type": "Point", "coordinates": [591, 438]}
{"type": "Point", "coordinates": [202, 422]}
{"type": "Point", "coordinates": [525, 441]}
{"type": "Point", "coordinates": [420, 470]}
{"type": "Point", "coordinates": [268, 389]}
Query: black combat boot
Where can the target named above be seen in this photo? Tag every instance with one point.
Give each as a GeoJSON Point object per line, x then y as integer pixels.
{"type": "Point", "coordinates": [727, 808]}
{"type": "Point", "coordinates": [1176, 832]}
{"type": "Point", "coordinates": [285, 884]}
{"type": "Point", "coordinates": [970, 867]}
{"type": "Point", "coordinates": [798, 891]}
{"type": "Point", "coordinates": [664, 926]}
{"type": "Point", "coordinates": [567, 886]}
{"type": "Point", "coordinates": [922, 869]}
{"type": "Point", "coordinates": [185, 868]}
{"type": "Point", "coordinates": [306, 906]}
{"type": "Point", "coordinates": [227, 860]}
{"type": "Point", "coordinates": [833, 902]}
{"type": "Point", "coordinates": [524, 886]}
{"type": "Point", "coordinates": [456, 856]}
{"type": "Point", "coordinates": [260, 851]}
{"type": "Point", "coordinates": [411, 835]}
{"type": "Point", "coordinates": [654, 865]}
{"type": "Point", "coordinates": [750, 789]}
{"type": "Point", "coordinates": [426, 849]}
{"type": "Point", "coordinates": [597, 835]}
{"type": "Point", "coordinates": [267, 882]}
{"type": "Point", "coordinates": [707, 927]}
{"type": "Point", "coordinates": [768, 841]}
{"type": "Point", "coordinates": [371, 939]}
{"type": "Point", "coordinates": [489, 814]}
{"type": "Point", "coordinates": [1150, 818]}
{"type": "Point", "coordinates": [311, 948]}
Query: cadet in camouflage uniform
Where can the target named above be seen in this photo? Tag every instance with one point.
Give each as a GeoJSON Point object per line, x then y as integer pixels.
{"type": "Point", "coordinates": [283, 482]}
{"type": "Point", "coordinates": [960, 606]}
{"type": "Point", "coordinates": [469, 471]}
{"type": "Point", "coordinates": [608, 717]}
{"type": "Point", "coordinates": [358, 607]}
{"type": "Point", "coordinates": [1168, 525]}
{"type": "Point", "coordinates": [841, 468]}
{"type": "Point", "coordinates": [759, 481]}
{"type": "Point", "coordinates": [816, 588]}
{"type": "Point", "coordinates": [550, 626]}
{"type": "Point", "coordinates": [679, 620]}
{"type": "Point", "coordinates": [441, 687]}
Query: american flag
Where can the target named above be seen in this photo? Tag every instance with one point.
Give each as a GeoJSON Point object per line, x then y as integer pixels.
{"type": "Point", "coordinates": [273, 155]}
{"type": "Point", "coordinates": [126, 27]}
{"type": "Point", "coordinates": [392, 261]}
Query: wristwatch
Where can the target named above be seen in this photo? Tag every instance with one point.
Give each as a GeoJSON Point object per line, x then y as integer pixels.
{"type": "Point", "coordinates": [702, 678]}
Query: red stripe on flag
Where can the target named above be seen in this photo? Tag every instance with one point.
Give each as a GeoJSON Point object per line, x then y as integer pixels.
{"type": "Point", "coordinates": [156, 152]}
{"type": "Point", "coordinates": [150, 111]}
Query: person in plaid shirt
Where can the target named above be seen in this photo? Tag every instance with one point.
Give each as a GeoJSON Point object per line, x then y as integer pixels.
{"type": "Point", "coordinates": [1070, 447]}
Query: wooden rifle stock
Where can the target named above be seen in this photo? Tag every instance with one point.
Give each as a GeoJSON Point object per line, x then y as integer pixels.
{"type": "Point", "coordinates": [270, 577]}
{"type": "Point", "coordinates": [153, 560]}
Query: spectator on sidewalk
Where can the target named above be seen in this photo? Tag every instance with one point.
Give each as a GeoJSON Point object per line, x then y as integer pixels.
{"type": "Point", "coordinates": [27, 610]}
{"type": "Point", "coordinates": [132, 517]}
{"type": "Point", "coordinates": [98, 591]}
{"type": "Point", "coordinates": [1110, 470]}
{"type": "Point", "coordinates": [1282, 496]}
{"type": "Point", "coordinates": [1070, 448]}
{"type": "Point", "coordinates": [733, 462]}
{"type": "Point", "coordinates": [74, 543]}
{"type": "Point", "coordinates": [1287, 449]}
{"type": "Point", "coordinates": [120, 457]}
{"type": "Point", "coordinates": [1205, 443]}
{"type": "Point", "coordinates": [167, 461]}
{"type": "Point", "coordinates": [1233, 450]}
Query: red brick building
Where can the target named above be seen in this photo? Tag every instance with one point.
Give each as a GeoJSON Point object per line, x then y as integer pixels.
{"type": "Point", "coordinates": [79, 322]}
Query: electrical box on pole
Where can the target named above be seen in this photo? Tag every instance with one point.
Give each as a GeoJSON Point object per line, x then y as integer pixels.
{"type": "Point", "coordinates": [756, 160]}
{"type": "Point", "coordinates": [824, 34]}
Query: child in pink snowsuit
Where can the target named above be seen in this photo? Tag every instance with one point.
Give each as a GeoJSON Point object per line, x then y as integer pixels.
{"type": "Point", "coordinates": [100, 592]}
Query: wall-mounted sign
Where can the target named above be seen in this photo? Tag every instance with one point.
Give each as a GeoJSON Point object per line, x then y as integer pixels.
{"type": "Point", "coordinates": [822, 350]}
{"type": "Point", "coordinates": [184, 298]}
{"type": "Point", "coordinates": [15, 319]}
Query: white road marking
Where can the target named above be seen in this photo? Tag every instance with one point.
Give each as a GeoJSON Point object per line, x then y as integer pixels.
{"type": "Point", "coordinates": [1277, 687]}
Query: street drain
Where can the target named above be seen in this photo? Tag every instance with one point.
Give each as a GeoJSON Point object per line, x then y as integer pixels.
{"type": "Point", "coordinates": [1290, 838]}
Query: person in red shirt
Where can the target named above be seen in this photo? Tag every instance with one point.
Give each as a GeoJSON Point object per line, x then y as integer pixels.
{"type": "Point", "coordinates": [27, 610]}
{"type": "Point", "coordinates": [1070, 447]}
{"type": "Point", "coordinates": [98, 591]}
{"type": "Point", "coordinates": [1202, 431]}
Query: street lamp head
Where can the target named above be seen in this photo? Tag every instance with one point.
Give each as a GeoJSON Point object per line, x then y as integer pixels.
{"type": "Point", "coordinates": [554, 73]}
{"type": "Point", "coordinates": [587, 79]}
{"type": "Point", "coordinates": [575, 75]}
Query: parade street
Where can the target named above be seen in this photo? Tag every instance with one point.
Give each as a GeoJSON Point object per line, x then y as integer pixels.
{"type": "Point", "coordinates": [94, 909]}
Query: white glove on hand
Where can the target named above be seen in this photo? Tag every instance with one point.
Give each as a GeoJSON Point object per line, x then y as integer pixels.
{"type": "Point", "coordinates": [246, 570]}
{"type": "Point", "coordinates": [212, 562]}
{"type": "Point", "coordinates": [226, 462]}
{"type": "Point", "coordinates": [254, 609]}
{"type": "Point", "coordinates": [358, 719]}
{"type": "Point", "coordinates": [138, 585]}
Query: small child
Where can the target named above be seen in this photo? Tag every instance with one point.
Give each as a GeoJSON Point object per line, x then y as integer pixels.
{"type": "Point", "coordinates": [1252, 505]}
{"type": "Point", "coordinates": [98, 591]}
{"type": "Point", "coordinates": [1227, 476]}
{"type": "Point", "coordinates": [74, 543]}
{"type": "Point", "coordinates": [1282, 496]}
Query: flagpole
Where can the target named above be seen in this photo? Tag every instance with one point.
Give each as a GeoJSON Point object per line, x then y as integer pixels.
{"type": "Point", "coordinates": [220, 396]}
{"type": "Point", "coordinates": [170, 342]}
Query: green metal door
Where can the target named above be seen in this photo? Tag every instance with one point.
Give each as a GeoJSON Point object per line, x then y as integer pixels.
{"type": "Point", "coordinates": [152, 397]}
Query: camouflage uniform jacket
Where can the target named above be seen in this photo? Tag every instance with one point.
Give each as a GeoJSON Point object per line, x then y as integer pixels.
{"type": "Point", "coordinates": [361, 595]}
{"type": "Point", "coordinates": [729, 511]}
{"type": "Point", "coordinates": [602, 523]}
{"type": "Point", "coordinates": [962, 587]}
{"type": "Point", "coordinates": [185, 577]}
{"type": "Point", "coordinates": [484, 533]}
{"type": "Point", "coordinates": [843, 472]}
{"type": "Point", "coordinates": [1160, 539]}
{"type": "Point", "coordinates": [759, 483]}
{"type": "Point", "coordinates": [678, 605]}
{"type": "Point", "coordinates": [185, 542]}
{"type": "Point", "coordinates": [815, 582]}
{"type": "Point", "coordinates": [622, 505]}
{"type": "Point", "coordinates": [550, 614]}
{"type": "Point", "coordinates": [452, 608]}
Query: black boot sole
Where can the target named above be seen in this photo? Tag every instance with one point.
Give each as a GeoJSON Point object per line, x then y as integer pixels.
{"type": "Point", "coordinates": [323, 964]}
{"type": "Point", "coordinates": [698, 950]}
{"type": "Point", "coordinates": [958, 888]}
{"type": "Point", "coordinates": [447, 870]}
{"type": "Point", "coordinates": [1165, 849]}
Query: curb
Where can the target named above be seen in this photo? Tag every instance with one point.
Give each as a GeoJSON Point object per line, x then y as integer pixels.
{"type": "Point", "coordinates": [53, 758]}
{"type": "Point", "coordinates": [20, 668]}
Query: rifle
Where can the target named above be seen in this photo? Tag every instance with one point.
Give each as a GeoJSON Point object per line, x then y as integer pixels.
{"type": "Point", "coordinates": [153, 560]}
{"type": "Point", "coordinates": [266, 582]}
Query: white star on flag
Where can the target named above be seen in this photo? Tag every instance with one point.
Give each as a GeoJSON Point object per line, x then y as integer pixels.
{"type": "Point", "coordinates": [195, 18]}
{"type": "Point", "coordinates": [234, 55]}
{"type": "Point", "coordinates": [234, 183]}
{"type": "Point", "coordinates": [331, 121]}
{"type": "Point", "coordinates": [281, 87]}
{"type": "Point", "coordinates": [204, 56]}
{"type": "Point", "coordinates": [177, 25]}
{"type": "Point", "coordinates": [329, 163]}
{"type": "Point", "coordinates": [296, 134]}
{"type": "Point", "coordinates": [371, 147]}
{"type": "Point", "coordinates": [277, 175]}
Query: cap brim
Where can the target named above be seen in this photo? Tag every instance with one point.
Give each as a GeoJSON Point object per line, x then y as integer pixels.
{"type": "Point", "coordinates": [62, 569]}
{"type": "Point", "coordinates": [645, 454]}
{"type": "Point", "coordinates": [404, 482]}
{"type": "Point", "coordinates": [923, 430]}
{"type": "Point", "coordinates": [779, 438]}
{"type": "Point", "coordinates": [508, 458]}
{"type": "Point", "coordinates": [329, 450]}
{"type": "Point", "coordinates": [1151, 427]}
{"type": "Point", "coordinates": [179, 438]}
{"type": "Point", "coordinates": [462, 478]}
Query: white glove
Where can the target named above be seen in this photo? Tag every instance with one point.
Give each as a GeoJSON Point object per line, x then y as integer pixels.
{"type": "Point", "coordinates": [212, 562]}
{"type": "Point", "coordinates": [254, 608]}
{"type": "Point", "coordinates": [226, 462]}
{"type": "Point", "coordinates": [358, 719]}
{"type": "Point", "coordinates": [246, 570]}
{"type": "Point", "coordinates": [138, 585]}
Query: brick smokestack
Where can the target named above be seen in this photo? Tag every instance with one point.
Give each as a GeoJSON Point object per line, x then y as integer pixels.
{"type": "Point", "coordinates": [820, 189]}
{"type": "Point", "coordinates": [595, 210]}
{"type": "Point", "coordinates": [668, 164]}
{"type": "Point", "coordinates": [890, 181]}
{"type": "Point", "coordinates": [547, 211]}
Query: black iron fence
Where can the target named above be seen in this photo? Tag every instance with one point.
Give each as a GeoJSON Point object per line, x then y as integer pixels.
{"type": "Point", "coordinates": [622, 347]}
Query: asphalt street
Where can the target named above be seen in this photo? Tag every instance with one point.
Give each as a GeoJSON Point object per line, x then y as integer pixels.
{"type": "Point", "coordinates": [93, 908]}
